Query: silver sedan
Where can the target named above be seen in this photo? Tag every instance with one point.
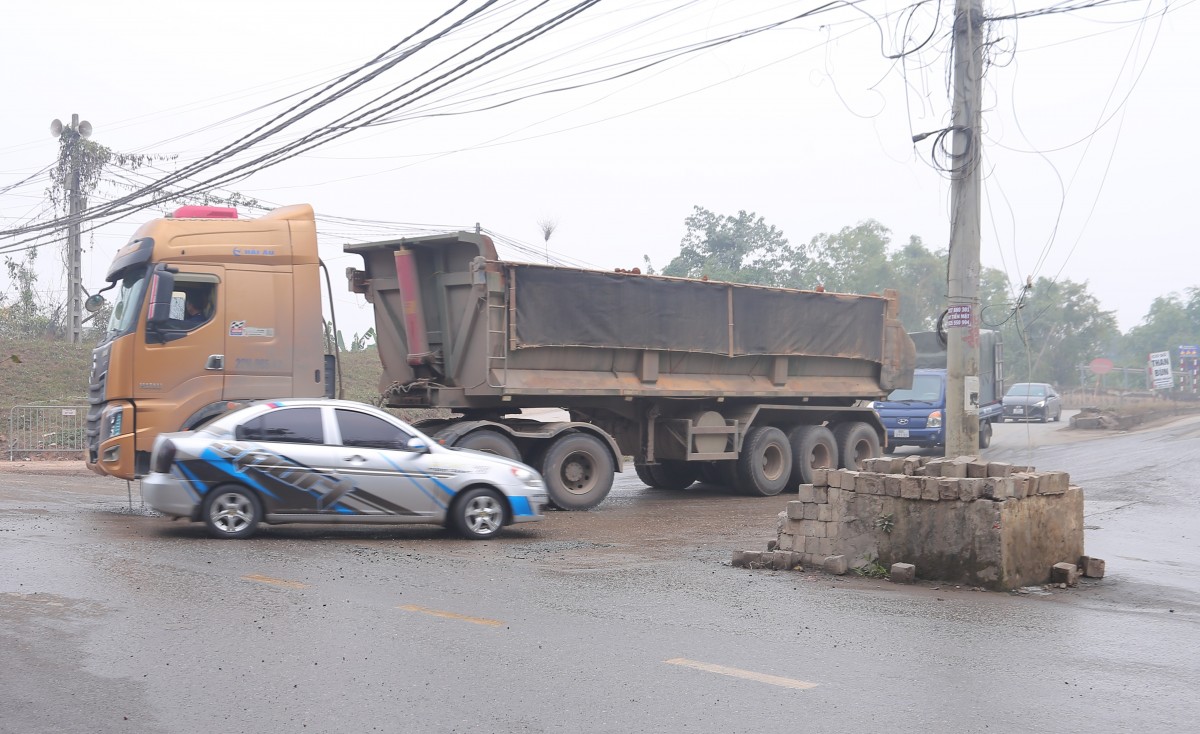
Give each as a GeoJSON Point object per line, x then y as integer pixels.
{"type": "Point", "coordinates": [333, 461]}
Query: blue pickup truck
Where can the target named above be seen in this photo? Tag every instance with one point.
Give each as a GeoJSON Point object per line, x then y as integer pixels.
{"type": "Point", "coordinates": [916, 416]}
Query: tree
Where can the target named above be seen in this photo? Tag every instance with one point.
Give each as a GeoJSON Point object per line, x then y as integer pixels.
{"type": "Point", "coordinates": [742, 249]}
{"type": "Point", "coordinates": [1170, 323]}
{"type": "Point", "coordinates": [920, 277]}
{"type": "Point", "coordinates": [855, 260]}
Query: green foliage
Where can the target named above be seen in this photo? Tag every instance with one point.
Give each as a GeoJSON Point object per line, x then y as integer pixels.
{"type": "Point", "coordinates": [358, 343]}
{"type": "Point", "coordinates": [23, 311]}
{"type": "Point", "coordinates": [1172, 321]}
{"type": "Point", "coordinates": [873, 570]}
{"type": "Point", "coordinates": [743, 249]}
{"type": "Point", "coordinates": [886, 522]}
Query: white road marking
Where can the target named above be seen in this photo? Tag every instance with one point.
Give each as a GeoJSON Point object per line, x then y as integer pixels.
{"type": "Point", "coordinates": [774, 680]}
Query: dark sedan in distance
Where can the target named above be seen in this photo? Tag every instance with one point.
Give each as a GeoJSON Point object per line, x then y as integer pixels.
{"type": "Point", "coordinates": [1032, 401]}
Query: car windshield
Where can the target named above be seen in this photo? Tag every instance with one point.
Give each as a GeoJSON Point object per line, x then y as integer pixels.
{"type": "Point", "coordinates": [927, 388]}
{"type": "Point", "coordinates": [1021, 390]}
{"type": "Point", "coordinates": [127, 304]}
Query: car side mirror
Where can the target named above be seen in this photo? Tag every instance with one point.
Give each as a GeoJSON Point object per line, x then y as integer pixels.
{"type": "Point", "coordinates": [417, 445]}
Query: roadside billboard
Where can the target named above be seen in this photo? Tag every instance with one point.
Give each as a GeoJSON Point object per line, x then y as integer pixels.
{"type": "Point", "coordinates": [1160, 371]}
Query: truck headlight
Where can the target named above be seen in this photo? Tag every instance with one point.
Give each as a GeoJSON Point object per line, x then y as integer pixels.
{"type": "Point", "coordinates": [935, 419]}
{"type": "Point", "coordinates": [115, 421]}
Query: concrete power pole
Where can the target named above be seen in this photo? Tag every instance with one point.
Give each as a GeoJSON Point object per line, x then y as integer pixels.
{"type": "Point", "coordinates": [77, 131]}
{"type": "Point", "coordinates": [962, 321]}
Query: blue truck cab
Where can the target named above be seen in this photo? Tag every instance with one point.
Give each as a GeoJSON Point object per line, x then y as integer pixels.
{"type": "Point", "coordinates": [916, 416]}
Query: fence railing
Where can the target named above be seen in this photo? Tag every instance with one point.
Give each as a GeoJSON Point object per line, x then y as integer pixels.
{"type": "Point", "coordinates": [46, 429]}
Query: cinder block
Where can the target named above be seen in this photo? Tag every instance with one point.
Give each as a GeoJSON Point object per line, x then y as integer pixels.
{"type": "Point", "coordinates": [834, 477]}
{"type": "Point", "coordinates": [933, 467]}
{"type": "Point", "coordinates": [1064, 573]}
{"type": "Point", "coordinates": [783, 560]}
{"type": "Point", "coordinates": [747, 559]}
{"type": "Point", "coordinates": [970, 490]}
{"type": "Point", "coordinates": [821, 495]}
{"type": "Point", "coordinates": [1053, 482]}
{"type": "Point", "coordinates": [1023, 485]}
{"type": "Point", "coordinates": [870, 483]}
{"type": "Point", "coordinates": [810, 511]}
{"type": "Point", "coordinates": [877, 465]}
{"type": "Point", "coordinates": [795, 527]}
{"type": "Point", "coordinates": [997, 488]}
{"type": "Point", "coordinates": [824, 547]}
{"type": "Point", "coordinates": [836, 565]}
{"type": "Point", "coordinates": [910, 487]}
{"type": "Point", "coordinates": [930, 489]}
{"type": "Point", "coordinates": [891, 485]}
{"type": "Point", "coordinates": [903, 573]}
{"type": "Point", "coordinates": [819, 529]}
{"type": "Point", "coordinates": [999, 469]}
{"type": "Point", "coordinates": [812, 546]}
{"type": "Point", "coordinates": [825, 513]}
{"type": "Point", "coordinates": [849, 481]}
{"type": "Point", "coordinates": [820, 477]}
{"type": "Point", "coordinates": [787, 541]}
{"type": "Point", "coordinates": [806, 493]}
{"type": "Point", "coordinates": [977, 470]}
{"type": "Point", "coordinates": [948, 489]}
{"type": "Point", "coordinates": [911, 465]}
{"type": "Point", "coordinates": [956, 469]}
{"type": "Point", "coordinates": [1093, 568]}
{"type": "Point", "coordinates": [795, 510]}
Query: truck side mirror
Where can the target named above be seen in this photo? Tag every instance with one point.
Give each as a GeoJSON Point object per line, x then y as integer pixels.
{"type": "Point", "coordinates": [162, 285]}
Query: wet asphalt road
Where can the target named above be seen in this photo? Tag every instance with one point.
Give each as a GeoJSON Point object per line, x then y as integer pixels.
{"type": "Point", "coordinates": [627, 618]}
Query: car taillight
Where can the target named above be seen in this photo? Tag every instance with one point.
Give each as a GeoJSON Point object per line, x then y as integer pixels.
{"type": "Point", "coordinates": [164, 456]}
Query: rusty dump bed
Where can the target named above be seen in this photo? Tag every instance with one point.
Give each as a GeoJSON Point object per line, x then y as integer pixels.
{"type": "Point", "coordinates": [457, 328]}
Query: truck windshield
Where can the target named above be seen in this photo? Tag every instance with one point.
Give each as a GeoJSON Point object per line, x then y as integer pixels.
{"type": "Point", "coordinates": [926, 388]}
{"type": "Point", "coordinates": [128, 303]}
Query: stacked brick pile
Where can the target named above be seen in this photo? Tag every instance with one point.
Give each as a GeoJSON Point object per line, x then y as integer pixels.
{"type": "Point", "coordinates": [985, 523]}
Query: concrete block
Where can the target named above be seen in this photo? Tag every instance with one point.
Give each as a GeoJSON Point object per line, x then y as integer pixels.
{"type": "Point", "coordinates": [1053, 482]}
{"type": "Point", "coordinates": [933, 467]}
{"type": "Point", "coordinates": [1023, 485]}
{"type": "Point", "coordinates": [834, 477]}
{"type": "Point", "coordinates": [787, 541]}
{"type": "Point", "coordinates": [821, 495]}
{"type": "Point", "coordinates": [910, 487]}
{"type": "Point", "coordinates": [836, 565]}
{"type": "Point", "coordinates": [820, 477]}
{"type": "Point", "coordinates": [833, 529]}
{"type": "Point", "coordinates": [824, 547]}
{"type": "Point", "coordinates": [903, 573]}
{"type": "Point", "coordinates": [810, 511]}
{"type": "Point", "coordinates": [747, 559]}
{"type": "Point", "coordinates": [783, 560]}
{"type": "Point", "coordinates": [891, 485]}
{"type": "Point", "coordinates": [795, 527]}
{"type": "Point", "coordinates": [956, 469]}
{"type": "Point", "coordinates": [811, 545]}
{"type": "Point", "coordinates": [977, 470]}
{"type": "Point", "coordinates": [1064, 573]}
{"type": "Point", "coordinates": [999, 469]}
{"type": "Point", "coordinates": [970, 490]}
{"type": "Point", "coordinates": [819, 529]}
{"type": "Point", "coordinates": [911, 465]}
{"type": "Point", "coordinates": [825, 513]}
{"type": "Point", "coordinates": [870, 484]}
{"type": "Point", "coordinates": [806, 493]}
{"type": "Point", "coordinates": [795, 510]}
{"type": "Point", "coordinates": [878, 465]}
{"type": "Point", "coordinates": [996, 488]}
{"type": "Point", "coordinates": [930, 489]}
{"type": "Point", "coordinates": [849, 481]}
{"type": "Point", "coordinates": [948, 489]}
{"type": "Point", "coordinates": [1093, 568]}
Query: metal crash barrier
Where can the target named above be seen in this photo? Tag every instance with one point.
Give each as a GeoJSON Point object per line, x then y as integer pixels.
{"type": "Point", "coordinates": [46, 429]}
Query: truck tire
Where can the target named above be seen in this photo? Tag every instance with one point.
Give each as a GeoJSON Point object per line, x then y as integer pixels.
{"type": "Point", "coordinates": [490, 442]}
{"type": "Point", "coordinates": [813, 447]}
{"type": "Point", "coordinates": [708, 473]}
{"type": "Point", "coordinates": [643, 473]}
{"type": "Point", "coordinates": [765, 464]}
{"type": "Point", "coordinates": [674, 475]}
{"type": "Point", "coordinates": [985, 434]}
{"type": "Point", "coordinates": [578, 471]}
{"type": "Point", "coordinates": [856, 442]}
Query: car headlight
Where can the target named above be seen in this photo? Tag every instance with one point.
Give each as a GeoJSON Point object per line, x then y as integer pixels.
{"type": "Point", "coordinates": [935, 419]}
{"type": "Point", "coordinates": [1040, 404]}
{"type": "Point", "coordinates": [528, 478]}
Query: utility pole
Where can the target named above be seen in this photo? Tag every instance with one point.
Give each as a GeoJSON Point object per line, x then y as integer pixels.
{"type": "Point", "coordinates": [962, 322]}
{"type": "Point", "coordinates": [77, 131]}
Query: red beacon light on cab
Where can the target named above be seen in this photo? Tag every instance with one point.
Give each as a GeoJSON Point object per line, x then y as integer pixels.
{"type": "Point", "coordinates": [205, 212]}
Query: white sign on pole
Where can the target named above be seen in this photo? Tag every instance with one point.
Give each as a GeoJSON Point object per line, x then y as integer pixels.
{"type": "Point", "coordinates": [1160, 371]}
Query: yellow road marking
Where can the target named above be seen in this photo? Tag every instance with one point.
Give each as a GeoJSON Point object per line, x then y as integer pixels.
{"type": "Point", "coordinates": [274, 582]}
{"type": "Point", "coordinates": [745, 674]}
{"type": "Point", "coordinates": [451, 615]}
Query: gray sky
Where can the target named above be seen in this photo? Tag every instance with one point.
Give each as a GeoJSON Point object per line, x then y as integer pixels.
{"type": "Point", "coordinates": [808, 125]}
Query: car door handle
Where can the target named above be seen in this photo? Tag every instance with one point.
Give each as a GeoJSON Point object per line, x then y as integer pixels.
{"type": "Point", "coordinates": [215, 362]}
{"type": "Point", "coordinates": [354, 457]}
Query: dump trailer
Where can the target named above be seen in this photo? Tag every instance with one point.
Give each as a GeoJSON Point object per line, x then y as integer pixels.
{"type": "Point", "coordinates": [747, 386]}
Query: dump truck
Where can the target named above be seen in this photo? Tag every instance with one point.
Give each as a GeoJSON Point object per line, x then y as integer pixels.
{"type": "Point", "coordinates": [746, 386]}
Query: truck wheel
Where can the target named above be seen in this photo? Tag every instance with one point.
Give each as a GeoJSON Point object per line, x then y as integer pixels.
{"type": "Point", "coordinates": [673, 475]}
{"type": "Point", "coordinates": [813, 447]}
{"type": "Point", "coordinates": [765, 464]}
{"type": "Point", "coordinates": [985, 434]}
{"type": "Point", "coordinates": [490, 442]}
{"type": "Point", "coordinates": [231, 512]}
{"type": "Point", "coordinates": [856, 442]}
{"type": "Point", "coordinates": [643, 473]}
{"type": "Point", "coordinates": [707, 473]}
{"type": "Point", "coordinates": [578, 470]}
{"type": "Point", "coordinates": [478, 514]}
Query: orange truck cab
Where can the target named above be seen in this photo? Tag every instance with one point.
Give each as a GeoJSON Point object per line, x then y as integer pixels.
{"type": "Point", "coordinates": [209, 310]}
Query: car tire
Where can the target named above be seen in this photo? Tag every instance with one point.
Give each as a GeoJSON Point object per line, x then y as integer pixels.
{"type": "Point", "coordinates": [1045, 416]}
{"type": "Point", "coordinates": [985, 434]}
{"type": "Point", "coordinates": [578, 471]}
{"type": "Point", "coordinates": [478, 513]}
{"type": "Point", "coordinates": [231, 512]}
{"type": "Point", "coordinates": [765, 463]}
